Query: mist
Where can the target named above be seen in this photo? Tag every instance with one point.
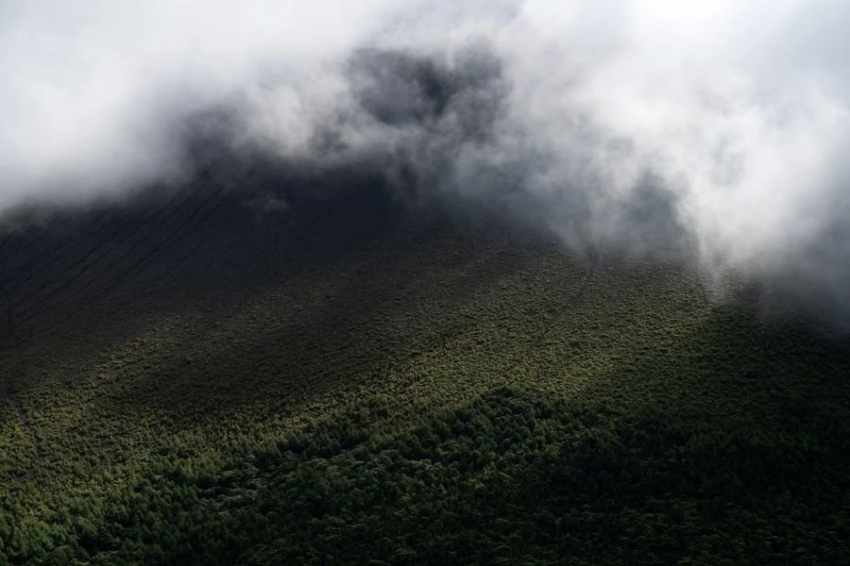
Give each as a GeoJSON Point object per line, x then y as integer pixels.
{"type": "Point", "coordinates": [716, 129]}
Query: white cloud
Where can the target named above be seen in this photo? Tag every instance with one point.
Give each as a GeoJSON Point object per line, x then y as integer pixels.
{"type": "Point", "coordinates": [738, 110]}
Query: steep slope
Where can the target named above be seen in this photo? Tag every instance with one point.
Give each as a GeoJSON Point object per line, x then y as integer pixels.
{"type": "Point", "coordinates": [244, 372]}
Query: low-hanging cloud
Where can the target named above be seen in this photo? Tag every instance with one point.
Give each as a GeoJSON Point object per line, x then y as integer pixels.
{"type": "Point", "coordinates": [720, 127]}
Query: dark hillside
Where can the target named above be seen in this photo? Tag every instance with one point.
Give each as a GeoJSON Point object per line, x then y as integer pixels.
{"type": "Point", "coordinates": [247, 371]}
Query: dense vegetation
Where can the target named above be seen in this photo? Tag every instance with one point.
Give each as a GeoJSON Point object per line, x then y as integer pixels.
{"type": "Point", "coordinates": [221, 378]}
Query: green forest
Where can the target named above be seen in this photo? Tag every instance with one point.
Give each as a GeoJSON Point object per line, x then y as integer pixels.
{"type": "Point", "coordinates": [202, 382]}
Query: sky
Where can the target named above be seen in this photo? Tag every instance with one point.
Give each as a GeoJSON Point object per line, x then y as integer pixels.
{"type": "Point", "coordinates": [632, 124]}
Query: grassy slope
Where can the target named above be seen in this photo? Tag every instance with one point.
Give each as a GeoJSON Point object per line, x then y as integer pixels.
{"type": "Point", "coordinates": [205, 382]}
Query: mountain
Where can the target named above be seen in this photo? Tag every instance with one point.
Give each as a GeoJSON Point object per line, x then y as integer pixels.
{"type": "Point", "coordinates": [256, 368]}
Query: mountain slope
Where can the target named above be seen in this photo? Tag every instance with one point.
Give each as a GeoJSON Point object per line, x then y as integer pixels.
{"type": "Point", "coordinates": [242, 371]}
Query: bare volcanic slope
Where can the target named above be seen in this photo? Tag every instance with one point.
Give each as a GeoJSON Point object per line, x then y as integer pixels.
{"type": "Point", "coordinates": [243, 370]}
